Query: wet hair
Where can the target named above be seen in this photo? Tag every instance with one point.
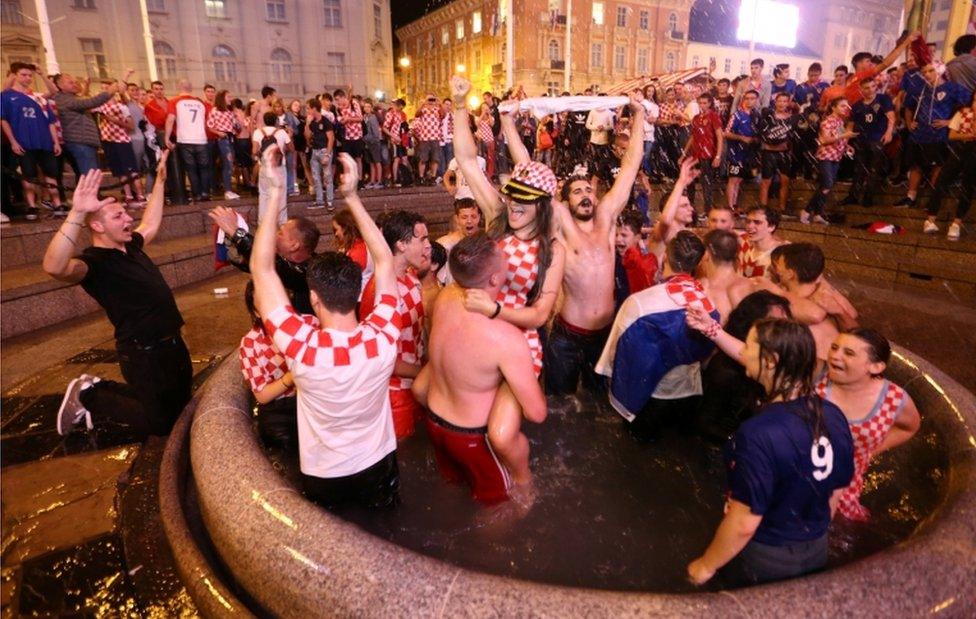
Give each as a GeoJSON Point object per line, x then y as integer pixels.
{"type": "Point", "coordinates": [684, 252]}
{"type": "Point", "coordinates": [879, 349]}
{"type": "Point", "coordinates": [438, 256]}
{"type": "Point", "coordinates": [816, 66]}
{"type": "Point", "coordinates": [267, 91]}
{"type": "Point", "coordinates": [399, 225]}
{"type": "Point", "coordinates": [471, 258]}
{"type": "Point", "coordinates": [336, 279]}
{"type": "Point", "coordinates": [631, 219]}
{"type": "Point", "coordinates": [350, 230]}
{"type": "Point", "coordinates": [723, 245]}
{"type": "Point", "coordinates": [252, 311]}
{"type": "Point", "coordinates": [772, 215]}
{"type": "Point", "coordinates": [752, 308]}
{"type": "Point", "coordinates": [20, 66]}
{"type": "Point", "coordinates": [498, 228]}
{"type": "Point", "coordinates": [805, 259]}
{"type": "Point", "coordinates": [270, 119]}
{"type": "Point", "coordinates": [758, 61]}
{"type": "Point", "coordinates": [791, 346]}
{"type": "Point", "coordinates": [463, 203]}
{"type": "Point", "coordinates": [567, 185]}
{"type": "Point", "coordinates": [860, 57]}
{"type": "Point", "coordinates": [220, 101]}
{"type": "Point", "coordinates": [964, 45]}
{"type": "Point", "coordinates": [308, 232]}
{"type": "Point", "coordinates": [156, 83]}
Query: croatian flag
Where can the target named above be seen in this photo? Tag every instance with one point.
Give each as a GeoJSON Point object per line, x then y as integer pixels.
{"type": "Point", "coordinates": [651, 352]}
{"type": "Point", "coordinates": [221, 250]}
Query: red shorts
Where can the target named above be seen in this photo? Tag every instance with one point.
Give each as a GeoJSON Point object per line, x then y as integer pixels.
{"type": "Point", "coordinates": [406, 412]}
{"type": "Point", "coordinates": [463, 454]}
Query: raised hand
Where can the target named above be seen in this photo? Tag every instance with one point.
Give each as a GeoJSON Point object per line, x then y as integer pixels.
{"type": "Point", "coordinates": [349, 179]}
{"type": "Point", "coordinates": [161, 166]}
{"type": "Point", "coordinates": [689, 170]}
{"type": "Point", "coordinates": [225, 218]}
{"type": "Point", "coordinates": [85, 198]}
{"type": "Point", "coordinates": [698, 319]}
{"type": "Point", "coordinates": [460, 87]}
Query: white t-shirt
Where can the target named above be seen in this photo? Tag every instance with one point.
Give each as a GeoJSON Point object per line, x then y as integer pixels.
{"type": "Point", "coordinates": [651, 113]}
{"type": "Point", "coordinates": [463, 188]}
{"type": "Point", "coordinates": [345, 423]}
{"type": "Point", "coordinates": [598, 118]}
{"type": "Point", "coordinates": [191, 118]}
{"type": "Point", "coordinates": [280, 135]}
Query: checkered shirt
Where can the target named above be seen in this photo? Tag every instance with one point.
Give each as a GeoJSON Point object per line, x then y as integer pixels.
{"type": "Point", "coordinates": [671, 112]}
{"type": "Point", "coordinates": [354, 130]}
{"type": "Point", "coordinates": [685, 290]}
{"type": "Point", "coordinates": [261, 363]}
{"type": "Point", "coordinates": [832, 126]}
{"type": "Point", "coordinates": [752, 261]}
{"type": "Point", "coordinates": [394, 118]}
{"type": "Point", "coordinates": [428, 127]}
{"type": "Point", "coordinates": [965, 121]}
{"type": "Point", "coordinates": [221, 121]}
{"type": "Point", "coordinates": [53, 109]}
{"type": "Point", "coordinates": [484, 132]}
{"type": "Point", "coordinates": [522, 273]}
{"type": "Point", "coordinates": [109, 131]}
{"type": "Point", "coordinates": [410, 319]}
{"type": "Point", "coordinates": [868, 434]}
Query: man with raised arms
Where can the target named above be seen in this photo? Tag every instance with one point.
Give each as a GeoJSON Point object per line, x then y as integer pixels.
{"type": "Point", "coordinates": [470, 355]}
{"type": "Point", "coordinates": [678, 213]}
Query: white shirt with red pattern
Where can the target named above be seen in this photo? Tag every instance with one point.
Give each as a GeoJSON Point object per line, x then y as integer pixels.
{"type": "Point", "coordinates": [428, 126]}
{"type": "Point", "coordinates": [964, 121]}
{"type": "Point", "coordinates": [410, 319]}
{"type": "Point", "coordinates": [261, 363]}
{"type": "Point", "coordinates": [345, 423]}
{"type": "Point", "coordinates": [832, 126]}
{"type": "Point", "coordinates": [354, 128]}
{"type": "Point", "coordinates": [394, 118]}
{"type": "Point", "coordinates": [753, 262]}
{"type": "Point", "coordinates": [107, 130]}
{"type": "Point", "coordinates": [447, 129]}
{"type": "Point", "coordinates": [222, 122]}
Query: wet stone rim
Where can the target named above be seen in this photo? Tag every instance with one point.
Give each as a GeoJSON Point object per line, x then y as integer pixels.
{"type": "Point", "coordinates": [297, 560]}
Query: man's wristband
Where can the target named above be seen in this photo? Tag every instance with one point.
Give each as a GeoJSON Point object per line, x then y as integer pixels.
{"type": "Point", "coordinates": [498, 310]}
{"type": "Point", "coordinates": [75, 223]}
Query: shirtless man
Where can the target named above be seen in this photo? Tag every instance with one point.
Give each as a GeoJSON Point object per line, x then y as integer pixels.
{"type": "Point", "coordinates": [467, 221]}
{"type": "Point", "coordinates": [760, 241]}
{"type": "Point", "coordinates": [718, 275]}
{"type": "Point", "coordinates": [678, 213]}
{"type": "Point", "coordinates": [721, 217]}
{"type": "Point", "coordinates": [580, 330]}
{"type": "Point", "coordinates": [796, 272]}
{"type": "Point", "coordinates": [470, 356]}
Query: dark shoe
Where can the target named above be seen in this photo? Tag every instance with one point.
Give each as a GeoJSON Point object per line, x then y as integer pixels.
{"type": "Point", "coordinates": [905, 202]}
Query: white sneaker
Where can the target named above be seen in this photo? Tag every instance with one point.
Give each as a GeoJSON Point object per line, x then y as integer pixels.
{"type": "Point", "coordinates": [954, 231]}
{"type": "Point", "coordinates": [804, 217]}
{"type": "Point", "coordinates": [315, 206]}
{"type": "Point", "coordinates": [72, 411]}
{"type": "Point", "coordinates": [929, 227]}
{"type": "Point", "coordinates": [230, 195]}
{"type": "Point", "coordinates": [817, 219]}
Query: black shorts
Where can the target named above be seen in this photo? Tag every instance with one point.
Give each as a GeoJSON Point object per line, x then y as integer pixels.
{"type": "Point", "coordinates": [33, 160]}
{"type": "Point", "coordinates": [376, 487]}
{"type": "Point", "coordinates": [428, 150]}
{"type": "Point", "coordinates": [355, 148]}
{"type": "Point", "coordinates": [242, 152]}
{"type": "Point", "coordinates": [776, 162]}
{"type": "Point", "coordinates": [401, 150]}
{"type": "Point", "coordinates": [925, 156]}
{"type": "Point", "coordinates": [742, 169]}
{"type": "Point", "coordinates": [121, 158]}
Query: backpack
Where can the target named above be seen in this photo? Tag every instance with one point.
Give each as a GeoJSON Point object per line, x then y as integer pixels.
{"type": "Point", "coordinates": [270, 143]}
{"type": "Point", "coordinates": [405, 175]}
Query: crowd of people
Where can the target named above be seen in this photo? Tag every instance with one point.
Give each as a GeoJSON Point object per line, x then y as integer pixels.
{"type": "Point", "coordinates": [552, 281]}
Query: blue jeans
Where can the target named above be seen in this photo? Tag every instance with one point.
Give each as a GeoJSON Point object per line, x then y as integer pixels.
{"type": "Point", "coordinates": [317, 168]}
{"type": "Point", "coordinates": [646, 161]}
{"type": "Point", "coordinates": [86, 156]}
{"type": "Point", "coordinates": [226, 149]}
{"type": "Point", "coordinates": [828, 176]}
{"type": "Point", "coordinates": [447, 153]}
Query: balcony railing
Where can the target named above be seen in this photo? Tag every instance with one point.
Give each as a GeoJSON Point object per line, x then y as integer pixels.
{"type": "Point", "coordinates": [557, 65]}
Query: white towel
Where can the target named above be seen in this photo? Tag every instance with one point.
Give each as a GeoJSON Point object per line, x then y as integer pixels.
{"type": "Point", "coordinates": [544, 106]}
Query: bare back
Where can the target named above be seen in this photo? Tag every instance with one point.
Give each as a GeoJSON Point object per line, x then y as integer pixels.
{"type": "Point", "coordinates": [726, 290]}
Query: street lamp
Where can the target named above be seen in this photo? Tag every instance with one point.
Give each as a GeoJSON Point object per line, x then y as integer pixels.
{"type": "Point", "coordinates": [405, 62]}
{"type": "Point", "coordinates": [460, 68]}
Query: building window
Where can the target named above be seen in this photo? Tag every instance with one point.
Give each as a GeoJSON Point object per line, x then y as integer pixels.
{"type": "Point", "coordinates": [621, 17]}
{"type": "Point", "coordinates": [10, 13]}
{"type": "Point", "coordinates": [553, 89]}
{"type": "Point", "coordinates": [224, 64]}
{"type": "Point", "coordinates": [596, 56]}
{"type": "Point", "coordinates": [83, 4]}
{"type": "Point", "coordinates": [728, 66]}
{"type": "Point", "coordinates": [642, 60]}
{"type": "Point", "coordinates": [554, 54]}
{"type": "Point", "coordinates": [669, 62]}
{"type": "Point", "coordinates": [275, 10]}
{"type": "Point", "coordinates": [165, 60]}
{"type": "Point", "coordinates": [477, 61]}
{"type": "Point", "coordinates": [445, 35]}
{"type": "Point", "coordinates": [742, 68]}
{"type": "Point", "coordinates": [672, 22]}
{"type": "Point", "coordinates": [942, 26]}
{"type": "Point", "coordinates": [156, 6]}
{"type": "Point", "coordinates": [645, 20]}
{"type": "Point", "coordinates": [94, 56]}
{"type": "Point", "coordinates": [378, 21]}
{"type": "Point", "coordinates": [280, 66]}
{"type": "Point", "coordinates": [215, 8]}
{"type": "Point", "coordinates": [459, 29]}
{"type": "Point", "coordinates": [619, 58]}
{"type": "Point", "coordinates": [335, 67]}
{"type": "Point", "coordinates": [430, 41]}
{"type": "Point", "coordinates": [476, 22]}
{"type": "Point", "coordinates": [694, 61]}
{"type": "Point", "coordinates": [598, 13]}
{"type": "Point", "coordinates": [333, 13]}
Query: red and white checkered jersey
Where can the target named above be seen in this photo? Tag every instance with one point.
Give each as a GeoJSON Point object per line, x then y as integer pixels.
{"type": "Point", "coordinates": [53, 109]}
{"type": "Point", "coordinates": [221, 121]}
{"type": "Point", "coordinates": [484, 132]}
{"type": "Point", "coordinates": [964, 121]}
{"type": "Point", "coordinates": [428, 127]}
{"type": "Point", "coordinates": [107, 130]}
{"type": "Point", "coordinates": [754, 262]}
{"type": "Point", "coordinates": [354, 129]}
{"type": "Point", "coordinates": [261, 363]}
{"type": "Point", "coordinates": [868, 434]}
{"type": "Point", "coordinates": [410, 320]}
{"type": "Point", "coordinates": [833, 127]}
{"type": "Point", "coordinates": [345, 424]}
{"type": "Point", "coordinates": [523, 272]}
{"type": "Point", "coordinates": [394, 118]}
{"type": "Point", "coordinates": [685, 290]}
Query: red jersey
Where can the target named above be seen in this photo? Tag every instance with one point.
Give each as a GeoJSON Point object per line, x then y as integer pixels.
{"type": "Point", "coordinates": [156, 113]}
{"type": "Point", "coordinates": [640, 268]}
{"type": "Point", "coordinates": [703, 140]}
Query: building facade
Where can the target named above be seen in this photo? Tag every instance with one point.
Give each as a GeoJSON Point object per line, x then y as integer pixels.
{"type": "Point", "coordinates": [732, 60]}
{"type": "Point", "coordinates": [838, 29]}
{"type": "Point", "coordinates": [300, 47]}
{"type": "Point", "coordinates": [609, 42]}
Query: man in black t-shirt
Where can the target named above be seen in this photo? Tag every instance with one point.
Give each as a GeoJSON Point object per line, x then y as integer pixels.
{"type": "Point", "coordinates": [777, 131]}
{"type": "Point", "coordinates": [118, 274]}
{"type": "Point", "coordinates": [320, 133]}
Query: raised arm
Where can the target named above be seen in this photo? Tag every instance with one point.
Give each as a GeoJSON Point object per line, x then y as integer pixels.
{"type": "Point", "coordinates": [269, 292]}
{"type": "Point", "coordinates": [152, 217]}
{"type": "Point", "coordinates": [698, 319]}
{"type": "Point", "coordinates": [688, 174]}
{"type": "Point", "coordinates": [897, 53]}
{"type": "Point", "coordinates": [515, 145]}
{"type": "Point", "coordinates": [59, 261]}
{"type": "Point", "coordinates": [615, 200]}
{"type": "Point", "coordinates": [466, 153]}
{"type": "Point", "coordinates": [375, 243]}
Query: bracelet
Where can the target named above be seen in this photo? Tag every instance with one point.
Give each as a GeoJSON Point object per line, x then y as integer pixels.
{"type": "Point", "coordinates": [75, 223]}
{"type": "Point", "coordinates": [713, 330]}
{"type": "Point", "coordinates": [67, 237]}
{"type": "Point", "coordinates": [498, 310]}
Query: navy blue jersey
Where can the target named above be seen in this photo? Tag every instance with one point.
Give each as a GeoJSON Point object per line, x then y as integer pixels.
{"type": "Point", "coordinates": [742, 123]}
{"type": "Point", "coordinates": [927, 104]}
{"type": "Point", "coordinates": [789, 88]}
{"type": "Point", "coordinates": [808, 95]}
{"type": "Point", "coordinates": [777, 468]}
{"type": "Point", "coordinates": [871, 119]}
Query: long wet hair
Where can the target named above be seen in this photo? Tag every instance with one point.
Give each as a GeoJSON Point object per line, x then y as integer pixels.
{"type": "Point", "coordinates": [499, 228]}
{"type": "Point", "coordinates": [792, 348]}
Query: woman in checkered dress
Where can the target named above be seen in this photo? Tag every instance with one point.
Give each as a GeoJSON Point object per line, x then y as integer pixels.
{"type": "Point", "coordinates": [881, 415]}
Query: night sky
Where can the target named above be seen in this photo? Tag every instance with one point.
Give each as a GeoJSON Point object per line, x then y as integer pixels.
{"type": "Point", "coordinates": [405, 11]}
